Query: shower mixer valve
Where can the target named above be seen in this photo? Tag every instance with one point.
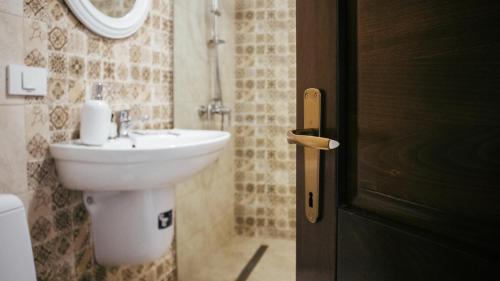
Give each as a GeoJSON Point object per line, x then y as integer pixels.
{"type": "Point", "coordinates": [215, 107]}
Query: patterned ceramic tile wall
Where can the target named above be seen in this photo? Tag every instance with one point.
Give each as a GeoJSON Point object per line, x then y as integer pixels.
{"type": "Point", "coordinates": [265, 110]}
{"type": "Point", "coordinates": [137, 74]}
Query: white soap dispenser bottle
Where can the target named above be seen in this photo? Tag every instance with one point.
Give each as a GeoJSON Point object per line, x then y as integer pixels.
{"type": "Point", "coordinates": [94, 123]}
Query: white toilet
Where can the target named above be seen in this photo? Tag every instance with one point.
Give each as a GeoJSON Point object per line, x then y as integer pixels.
{"type": "Point", "coordinates": [16, 255]}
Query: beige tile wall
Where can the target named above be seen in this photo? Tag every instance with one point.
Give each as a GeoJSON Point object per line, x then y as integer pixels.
{"type": "Point", "coordinates": [138, 74]}
{"type": "Point", "coordinates": [205, 204]}
{"type": "Point", "coordinates": [265, 110]}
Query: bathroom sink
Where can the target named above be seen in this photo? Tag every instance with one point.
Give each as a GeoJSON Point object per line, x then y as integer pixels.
{"type": "Point", "coordinates": [128, 187]}
{"type": "Point", "coordinates": [146, 159]}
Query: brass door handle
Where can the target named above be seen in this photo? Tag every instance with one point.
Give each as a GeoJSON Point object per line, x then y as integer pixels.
{"type": "Point", "coordinates": [310, 138]}
{"type": "Point", "coordinates": [313, 143]}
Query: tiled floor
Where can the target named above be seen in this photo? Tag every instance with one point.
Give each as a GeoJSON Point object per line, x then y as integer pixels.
{"type": "Point", "coordinates": [277, 263]}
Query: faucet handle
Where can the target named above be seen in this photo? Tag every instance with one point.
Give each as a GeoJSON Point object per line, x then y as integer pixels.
{"type": "Point", "coordinates": [98, 91]}
{"type": "Point", "coordinates": [124, 115]}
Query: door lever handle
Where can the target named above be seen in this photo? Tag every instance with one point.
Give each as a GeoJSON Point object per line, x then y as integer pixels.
{"type": "Point", "coordinates": [313, 143]}
{"type": "Point", "coordinates": [310, 138]}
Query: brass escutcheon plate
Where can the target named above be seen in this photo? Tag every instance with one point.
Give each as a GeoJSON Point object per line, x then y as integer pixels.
{"type": "Point", "coordinates": [312, 120]}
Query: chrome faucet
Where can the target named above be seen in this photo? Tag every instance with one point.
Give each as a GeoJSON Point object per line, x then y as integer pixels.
{"type": "Point", "coordinates": [125, 123]}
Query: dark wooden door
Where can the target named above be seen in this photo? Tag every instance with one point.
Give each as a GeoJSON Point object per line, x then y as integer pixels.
{"type": "Point", "coordinates": [412, 91]}
{"type": "Point", "coordinates": [317, 68]}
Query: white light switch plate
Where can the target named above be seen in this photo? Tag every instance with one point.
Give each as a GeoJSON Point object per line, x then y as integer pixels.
{"type": "Point", "coordinates": [26, 81]}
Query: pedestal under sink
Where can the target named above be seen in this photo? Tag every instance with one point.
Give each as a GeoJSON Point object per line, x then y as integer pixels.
{"type": "Point", "coordinates": [128, 186]}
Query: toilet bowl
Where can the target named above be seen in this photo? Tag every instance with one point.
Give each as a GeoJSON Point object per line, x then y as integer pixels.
{"type": "Point", "coordinates": [16, 255]}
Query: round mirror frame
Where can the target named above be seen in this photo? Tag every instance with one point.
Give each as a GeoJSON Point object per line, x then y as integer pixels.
{"type": "Point", "coordinates": [107, 26]}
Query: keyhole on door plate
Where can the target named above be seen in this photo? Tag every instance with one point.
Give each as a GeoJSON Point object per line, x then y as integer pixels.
{"type": "Point", "coordinates": [310, 199]}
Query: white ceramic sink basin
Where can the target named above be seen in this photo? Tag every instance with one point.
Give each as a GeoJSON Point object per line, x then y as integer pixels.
{"type": "Point", "coordinates": [147, 159]}
{"type": "Point", "coordinates": [128, 187]}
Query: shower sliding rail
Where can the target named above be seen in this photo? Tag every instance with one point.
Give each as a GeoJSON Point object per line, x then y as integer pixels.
{"type": "Point", "coordinates": [216, 105]}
